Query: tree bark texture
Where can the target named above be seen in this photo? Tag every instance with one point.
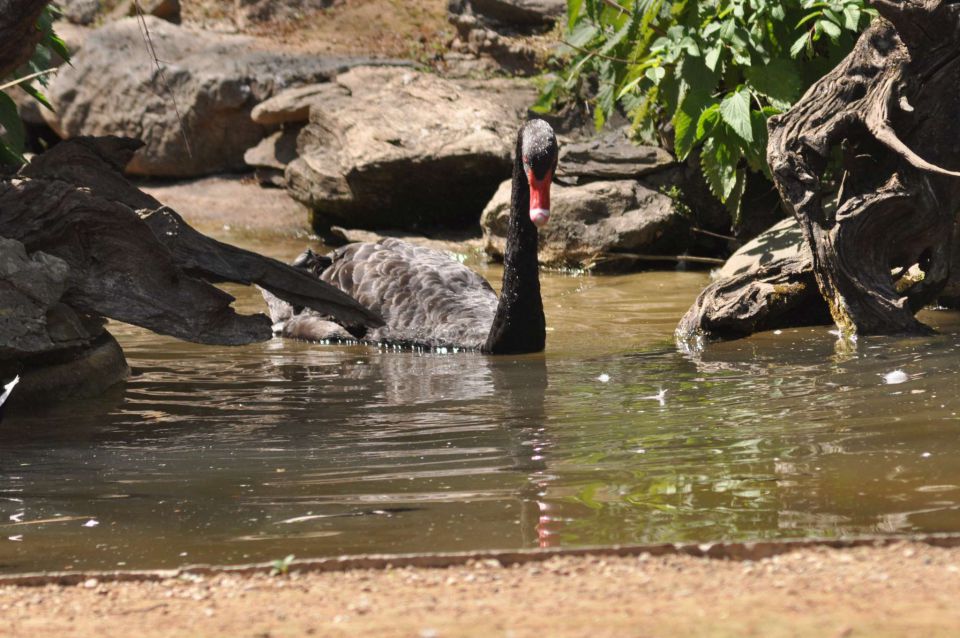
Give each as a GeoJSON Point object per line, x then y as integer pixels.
{"type": "Point", "coordinates": [18, 32]}
{"type": "Point", "coordinates": [780, 294]}
{"type": "Point", "coordinates": [134, 260]}
{"type": "Point", "coordinates": [887, 117]}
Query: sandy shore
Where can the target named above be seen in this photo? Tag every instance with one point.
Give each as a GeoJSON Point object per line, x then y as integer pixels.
{"type": "Point", "coordinates": [906, 589]}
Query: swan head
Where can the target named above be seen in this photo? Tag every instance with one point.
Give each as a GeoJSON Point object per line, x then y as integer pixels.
{"type": "Point", "coordinates": [539, 152]}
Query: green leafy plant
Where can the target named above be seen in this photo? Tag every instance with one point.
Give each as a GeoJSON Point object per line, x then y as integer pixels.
{"type": "Point", "coordinates": [713, 70]}
{"type": "Point", "coordinates": [281, 566]}
{"type": "Point", "coordinates": [31, 78]}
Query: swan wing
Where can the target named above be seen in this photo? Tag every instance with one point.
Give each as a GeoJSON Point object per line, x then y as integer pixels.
{"type": "Point", "coordinates": [425, 296]}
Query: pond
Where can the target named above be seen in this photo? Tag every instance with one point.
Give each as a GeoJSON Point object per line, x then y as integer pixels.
{"type": "Point", "coordinates": [227, 455]}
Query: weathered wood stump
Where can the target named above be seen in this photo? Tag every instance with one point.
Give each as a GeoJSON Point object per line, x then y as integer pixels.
{"type": "Point", "coordinates": [79, 243]}
{"type": "Point", "coordinates": [887, 116]}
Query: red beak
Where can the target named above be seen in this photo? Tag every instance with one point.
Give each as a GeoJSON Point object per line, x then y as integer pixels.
{"type": "Point", "coordinates": [539, 197]}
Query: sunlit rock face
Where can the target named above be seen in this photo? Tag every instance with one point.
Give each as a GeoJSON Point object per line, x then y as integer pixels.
{"type": "Point", "coordinates": [195, 117]}
{"type": "Point", "coordinates": [601, 225]}
{"type": "Point", "coordinates": [394, 148]}
{"type": "Point", "coordinates": [499, 31]}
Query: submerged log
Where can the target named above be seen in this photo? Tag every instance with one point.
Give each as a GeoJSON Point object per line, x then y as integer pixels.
{"type": "Point", "coordinates": [887, 115]}
{"type": "Point", "coordinates": [152, 270]}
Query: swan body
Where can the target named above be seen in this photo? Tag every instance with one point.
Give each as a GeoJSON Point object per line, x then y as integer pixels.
{"type": "Point", "coordinates": [429, 299]}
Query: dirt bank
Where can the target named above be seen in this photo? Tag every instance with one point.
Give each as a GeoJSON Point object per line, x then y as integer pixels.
{"type": "Point", "coordinates": [901, 590]}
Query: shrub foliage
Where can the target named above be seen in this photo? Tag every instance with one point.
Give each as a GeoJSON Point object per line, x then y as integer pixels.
{"type": "Point", "coordinates": [32, 77]}
{"type": "Point", "coordinates": [713, 70]}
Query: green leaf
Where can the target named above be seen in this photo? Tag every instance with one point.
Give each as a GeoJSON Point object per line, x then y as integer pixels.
{"type": "Point", "coordinates": [573, 12]}
{"type": "Point", "coordinates": [757, 152]}
{"type": "Point", "coordinates": [734, 201]}
{"type": "Point", "coordinates": [851, 17]}
{"type": "Point", "coordinates": [780, 80]}
{"type": "Point", "coordinates": [712, 57]}
{"type": "Point", "coordinates": [15, 135]}
{"type": "Point", "coordinates": [9, 157]}
{"type": "Point", "coordinates": [655, 74]}
{"type": "Point", "coordinates": [735, 111]}
{"type": "Point", "coordinates": [583, 34]}
{"type": "Point", "coordinates": [717, 160]}
{"type": "Point", "coordinates": [708, 121]}
{"type": "Point", "coordinates": [685, 122]}
{"type": "Point", "coordinates": [799, 45]}
{"type": "Point", "coordinates": [58, 46]}
{"type": "Point", "coordinates": [831, 29]}
{"type": "Point", "coordinates": [37, 95]}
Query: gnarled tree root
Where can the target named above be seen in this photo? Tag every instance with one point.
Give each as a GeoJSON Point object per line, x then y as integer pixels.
{"type": "Point", "coordinates": [888, 113]}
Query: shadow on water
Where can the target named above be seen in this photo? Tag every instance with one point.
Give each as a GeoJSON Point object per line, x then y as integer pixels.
{"type": "Point", "coordinates": [212, 454]}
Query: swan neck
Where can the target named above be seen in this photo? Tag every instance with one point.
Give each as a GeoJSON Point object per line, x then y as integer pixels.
{"type": "Point", "coordinates": [519, 325]}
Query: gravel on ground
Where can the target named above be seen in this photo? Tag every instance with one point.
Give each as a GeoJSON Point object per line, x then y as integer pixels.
{"type": "Point", "coordinates": [906, 589]}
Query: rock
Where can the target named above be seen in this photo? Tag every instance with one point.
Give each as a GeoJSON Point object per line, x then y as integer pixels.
{"type": "Point", "coordinates": [71, 374]}
{"type": "Point", "coordinates": [30, 287]}
{"type": "Point", "coordinates": [271, 156]}
{"type": "Point", "coordinates": [783, 240]}
{"type": "Point", "coordinates": [522, 15]}
{"type": "Point", "coordinates": [215, 79]}
{"type": "Point", "coordinates": [603, 225]}
{"type": "Point", "coordinates": [168, 10]}
{"type": "Point", "coordinates": [500, 30]}
{"type": "Point", "coordinates": [402, 149]}
{"type": "Point", "coordinates": [290, 105]}
{"type": "Point", "coordinates": [82, 12]}
{"type": "Point", "coordinates": [612, 156]}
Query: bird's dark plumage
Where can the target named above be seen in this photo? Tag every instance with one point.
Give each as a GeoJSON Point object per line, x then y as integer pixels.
{"type": "Point", "coordinates": [429, 299]}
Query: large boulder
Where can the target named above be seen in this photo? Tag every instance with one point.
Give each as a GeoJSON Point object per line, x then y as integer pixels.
{"type": "Point", "coordinates": [194, 114]}
{"type": "Point", "coordinates": [609, 226]}
{"type": "Point", "coordinates": [80, 11]}
{"type": "Point", "coordinates": [394, 148]}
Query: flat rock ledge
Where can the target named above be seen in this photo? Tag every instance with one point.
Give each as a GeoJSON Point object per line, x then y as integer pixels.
{"type": "Point", "coordinates": [399, 149]}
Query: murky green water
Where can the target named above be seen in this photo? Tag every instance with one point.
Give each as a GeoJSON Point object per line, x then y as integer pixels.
{"type": "Point", "coordinates": [212, 454]}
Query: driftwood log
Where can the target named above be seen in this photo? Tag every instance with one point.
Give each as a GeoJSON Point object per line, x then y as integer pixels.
{"type": "Point", "coordinates": [134, 260]}
{"type": "Point", "coordinates": [780, 294]}
{"type": "Point", "coordinates": [868, 161]}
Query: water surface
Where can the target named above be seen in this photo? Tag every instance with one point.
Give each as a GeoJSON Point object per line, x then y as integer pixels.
{"type": "Point", "coordinates": [216, 454]}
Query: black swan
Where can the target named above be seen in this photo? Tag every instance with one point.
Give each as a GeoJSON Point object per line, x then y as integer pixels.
{"type": "Point", "coordinates": [427, 298]}
{"type": "Point", "coordinates": [7, 389]}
